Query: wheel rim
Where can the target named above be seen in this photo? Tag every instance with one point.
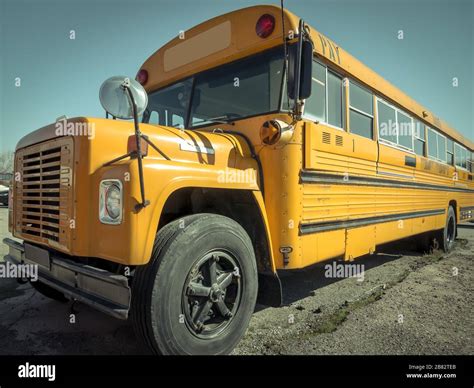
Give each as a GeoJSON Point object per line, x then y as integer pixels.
{"type": "Point", "coordinates": [211, 294]}
{"type": "Point", "coordinates": [450, 231]}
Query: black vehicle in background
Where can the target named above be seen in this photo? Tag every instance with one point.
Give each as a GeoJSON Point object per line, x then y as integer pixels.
{"type": "Point", "coordinates": [4, 192]}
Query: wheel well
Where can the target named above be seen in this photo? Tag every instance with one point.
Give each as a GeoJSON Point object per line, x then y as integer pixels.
{"type": "Point", "coordinates": [239, 205]}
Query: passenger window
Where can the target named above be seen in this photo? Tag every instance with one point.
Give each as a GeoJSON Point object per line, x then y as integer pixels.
{"type": "Point", "coordinates": [441, 148]}
{"type": "Point", "coordinates": [432, 144]}
{"type": "Point", "coordinates": [436, 145]}
{"type": "Point", "coordinates": [387, 122]}
{"type": "Point", "coordinates": [361, 124]}
{"type": "Point", "coordinates": [316, 105]}
{"type": "Point", "coordinates": [335, 101]}
{"type": "Point", "coordinates": [449, 152]}
{"type": "Point", "coordinates": [361, 111]}
{"type": "Point", "coordinates": [327, 100]}
{"type": "Point", "coordinates": [419, 138]}
{"type": "Point", "coordinates": [405, 130]}
{"type": "Point", "coordinates": [361, 99]}
{"type": "Point", "coordinates": [397, 127]}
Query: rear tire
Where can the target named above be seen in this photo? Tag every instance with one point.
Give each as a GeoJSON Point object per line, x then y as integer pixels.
{"type": "Point", "coordinates": [198, 292]}
{"type": "Point", "coordinates": [447, 235]}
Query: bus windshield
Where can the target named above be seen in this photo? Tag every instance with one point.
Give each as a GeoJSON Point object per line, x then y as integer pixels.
{"type": "Point", "coordinates": [244, 88]}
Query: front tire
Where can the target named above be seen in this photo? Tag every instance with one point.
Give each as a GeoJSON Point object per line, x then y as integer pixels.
{"type": "Point", "coordinates": [198, 292]}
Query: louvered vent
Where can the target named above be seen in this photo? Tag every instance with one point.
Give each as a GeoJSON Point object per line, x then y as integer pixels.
{"type": "Point", "coordinates": [326, 138]}
{"type": "Point", "coordinates": [339, 141]}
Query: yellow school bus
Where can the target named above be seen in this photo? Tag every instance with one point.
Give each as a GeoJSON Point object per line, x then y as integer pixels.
{"type": "Point", "coordinates": [257, 144]}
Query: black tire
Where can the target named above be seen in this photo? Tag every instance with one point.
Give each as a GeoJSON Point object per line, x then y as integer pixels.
{"type": "Point", "coordinates": [446, 236]}
{"type": "Point", "coordinates": [49, 292]}
{"type": "Point", "coordinates": [164, 291]}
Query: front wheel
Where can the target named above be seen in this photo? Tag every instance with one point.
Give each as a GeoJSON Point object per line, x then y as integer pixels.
{"type": "Point", "coordinates": [198, 292]}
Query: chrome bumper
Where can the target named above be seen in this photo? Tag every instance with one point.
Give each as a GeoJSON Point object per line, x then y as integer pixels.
{"type": "Point", "coordinates": [103, 290]}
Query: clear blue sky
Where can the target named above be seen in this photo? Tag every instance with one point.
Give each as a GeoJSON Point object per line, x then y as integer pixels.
{"type": "Point", "coordinates": [62, 76]}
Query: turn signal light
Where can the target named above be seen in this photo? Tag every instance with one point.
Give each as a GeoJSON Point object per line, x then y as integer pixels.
{"type": "Point", "coordinates": [276, 132]}
{"type": "Point", "coordinates": [132, 145]}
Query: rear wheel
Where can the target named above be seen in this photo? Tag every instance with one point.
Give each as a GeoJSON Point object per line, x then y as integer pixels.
{"type": "Point", "coordinates": [198, 292]}
{"type": "Point", "coordinates": [446, 236]}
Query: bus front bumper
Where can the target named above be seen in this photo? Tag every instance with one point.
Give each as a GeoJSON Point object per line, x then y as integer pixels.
{"type": "Point", "coordinates": [105, 291]}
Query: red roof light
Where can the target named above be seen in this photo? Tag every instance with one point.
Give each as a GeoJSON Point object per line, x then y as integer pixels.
{"type": "Point", "coordinates": [265, 26]}
{"type": "Point", "coordinates": [142, 76]}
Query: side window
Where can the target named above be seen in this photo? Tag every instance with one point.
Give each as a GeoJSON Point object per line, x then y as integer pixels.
{"type": "Point", "coordinates": [464, 158]}
{"type": "Point", "coordinates": [361, 113]}
{"type": "Point", "coordinates": [449, 152]}
{"type": "Point", "coordinates": [436, 145]}
{"type": "Point", "coordinates": [419, 138]}
{"type": "Point", "coordinates": [395, 126]}
{"type": "Point", "coordinates": [335, 100]}
{"type": "Point", "coordinates": [432, 144]}
{"type": "Point", "coordinates": [315, 106]}
{"type": "Point", "coordinates": [441, 148]}
{"type": "Point", "coordinates": [405, 130]}
{"type": "Point", "coordinates": [327, 100]}
{"type": "Point", "coordinates": [460, 156]}
{"type": "Point", "coordinates": [387, 122]}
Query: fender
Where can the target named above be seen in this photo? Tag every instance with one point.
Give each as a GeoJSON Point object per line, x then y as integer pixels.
{"type": "Point", "coordinates": [193, 176]}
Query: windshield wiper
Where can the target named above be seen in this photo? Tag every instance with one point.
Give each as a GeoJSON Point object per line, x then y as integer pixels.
{"type": "Point", "coordinates": [224, 119]}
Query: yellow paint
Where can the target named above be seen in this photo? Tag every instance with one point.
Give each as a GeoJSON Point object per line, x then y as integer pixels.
{"type": "Point", "coordinates": [285, 203]}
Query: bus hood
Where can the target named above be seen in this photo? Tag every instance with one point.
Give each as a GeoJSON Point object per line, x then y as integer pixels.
{"type": "Point", "coordinates": [107, 139]}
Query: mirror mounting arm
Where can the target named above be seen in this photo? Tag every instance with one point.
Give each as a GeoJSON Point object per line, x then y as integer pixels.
{"type": "Point", "coordinates": [139, 155]}
{"type": "Point", "coordinates": [296, 93]}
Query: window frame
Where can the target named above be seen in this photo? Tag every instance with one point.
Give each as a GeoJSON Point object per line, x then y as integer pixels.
{"type": "Point", "coordinates": [397, 144]}
{"type": "Point", "coordinates": [312, 117]}
{"type": "Point", "coordinates": [470, 161]}
{"type": "Point", "coordinates": [419, 138]}
{"type": "Point", "coordinates": [349, 107]}
{"type": "Point", "coordinates": [455, 153]}
{"type": "Point", "coordinates": [438, 134]}
{"type": "Point", "coordinates": [448, 139]}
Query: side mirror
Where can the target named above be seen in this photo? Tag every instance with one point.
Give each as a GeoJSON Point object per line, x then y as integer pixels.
{"type": "Point", "coordinates": [306, 75]}
{"type": "Point", "coordinates": [303, 72]}
{"type": "Point", "coordinates": [116, 101]}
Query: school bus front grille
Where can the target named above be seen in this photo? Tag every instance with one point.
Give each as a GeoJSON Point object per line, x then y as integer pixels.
{"type": "Point", "coordinates": [43, 193]}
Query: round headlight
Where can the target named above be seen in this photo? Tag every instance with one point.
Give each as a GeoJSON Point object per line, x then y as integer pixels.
{"type": "Point", "coordinates": [112, 201]}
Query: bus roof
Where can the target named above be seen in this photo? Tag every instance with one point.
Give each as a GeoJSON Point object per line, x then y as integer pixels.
{"type": "Point", "coordinates": [231, 36]}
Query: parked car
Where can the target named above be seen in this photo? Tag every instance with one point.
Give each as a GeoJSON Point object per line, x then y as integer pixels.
{"type": "Point", "coordinates": [4, 190]}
